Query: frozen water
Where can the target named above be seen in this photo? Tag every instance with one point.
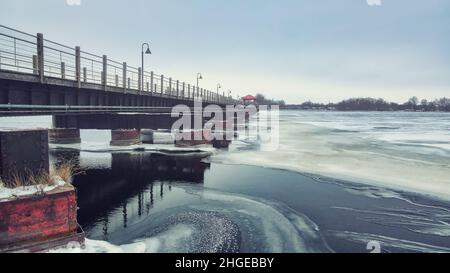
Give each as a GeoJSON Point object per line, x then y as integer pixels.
{"type": "Point", "coordinates": [406, 151]}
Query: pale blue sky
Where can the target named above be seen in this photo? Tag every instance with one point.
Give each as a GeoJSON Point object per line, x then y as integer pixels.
{"type": "Point", "coordinates": [320, 50]}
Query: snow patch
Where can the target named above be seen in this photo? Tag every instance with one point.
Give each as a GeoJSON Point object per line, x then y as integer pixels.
{"type": "Point", "coordinates": [97, 246]}
{"type": "Point", "coordinates": [7, 193]}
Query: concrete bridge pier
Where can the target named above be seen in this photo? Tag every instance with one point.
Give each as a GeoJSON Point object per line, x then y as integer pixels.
{"type": "Point", "coordinates": [36, 221]}
{"type": "Point", "coordinates": [64, 136]}
{"type": "Point", "coordinates": [125, 137]}
{"type": "Point", "coordinates": [23, 155]}
{"type": "Point", "coordinates": [147, 136]}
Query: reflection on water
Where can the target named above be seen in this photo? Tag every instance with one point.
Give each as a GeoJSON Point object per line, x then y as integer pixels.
{"type": "Point", "coordinates": [181, 203]}
{"type": "Point", "coordinates": [129, 187]}
{"type": "Point", "coordinates": [159, 200]}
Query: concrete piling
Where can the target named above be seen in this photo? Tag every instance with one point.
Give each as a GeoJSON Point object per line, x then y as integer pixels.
{"type": "Point", "coordinates": [125, 137]}
{"type": "Point", "coordinates": [147, 136]}
{"type": "Point", "coordinates": [23, 153]}
{"type": "Point", "coordinates": [64, 136]}
{"type": "Point", "coordinates": [38, 221]}
{"type": "Point", "coordinates": [221, 143]}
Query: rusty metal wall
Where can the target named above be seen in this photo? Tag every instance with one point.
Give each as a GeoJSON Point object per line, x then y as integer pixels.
{"type": "Point", "coordinates": [38, 218]}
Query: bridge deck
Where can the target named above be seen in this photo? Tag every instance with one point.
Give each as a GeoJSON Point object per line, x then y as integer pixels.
{"type": "Point", "coordinates": [37, 71]}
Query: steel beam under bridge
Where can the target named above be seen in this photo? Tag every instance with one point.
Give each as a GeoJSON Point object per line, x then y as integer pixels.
{"type": "Point", "coordinates": [110, 121]}
{"type": "Point", "coordinates": [25, 90]}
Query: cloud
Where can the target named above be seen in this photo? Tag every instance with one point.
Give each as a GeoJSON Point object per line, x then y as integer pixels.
{"type": "Point", "coordinates": [73, 2]}
{"type": "Point", "coordinates": [374, 2]}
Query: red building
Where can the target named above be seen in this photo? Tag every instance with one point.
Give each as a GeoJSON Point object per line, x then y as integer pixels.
{"type": "Point", "coordinates": [249, 99]}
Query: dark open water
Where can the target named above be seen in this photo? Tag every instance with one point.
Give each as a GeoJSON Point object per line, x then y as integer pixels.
{"type": "Point", "coordinates": [183, 203]}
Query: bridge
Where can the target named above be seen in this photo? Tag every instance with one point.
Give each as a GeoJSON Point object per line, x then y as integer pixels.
{"type": "Point", "coordinates": [81, 90]}
{"type": "Point", "coordinates": [41, 77]}
{"type": "Point", "coordinates": [40, 72]}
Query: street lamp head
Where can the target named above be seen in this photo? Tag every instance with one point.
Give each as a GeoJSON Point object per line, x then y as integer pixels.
{"type": "Point", "coordinates": [148, 48]}
{"type": "Point", "coordinates": [201, 78]}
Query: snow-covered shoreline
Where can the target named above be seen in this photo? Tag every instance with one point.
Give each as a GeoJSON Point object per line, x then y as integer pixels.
{"type": "Point", "coordinates": [7, 193]}
{"type": "Point", "coordinates": [97, 246]}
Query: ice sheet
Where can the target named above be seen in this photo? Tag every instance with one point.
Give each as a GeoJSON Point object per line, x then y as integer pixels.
{"type": "Point", "coordinates": [350, 148]}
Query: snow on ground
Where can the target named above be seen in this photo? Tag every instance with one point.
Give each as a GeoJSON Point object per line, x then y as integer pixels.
{"type": "Point", "coordinates": [6, 193]}
{"type": "Point", "coordinates": [96, 246]}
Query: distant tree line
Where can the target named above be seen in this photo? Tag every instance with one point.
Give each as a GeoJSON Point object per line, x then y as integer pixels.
{"type": "Point", "coordinates": [262, 100]}
{"type": "Point", "coordinates": [371, 104]}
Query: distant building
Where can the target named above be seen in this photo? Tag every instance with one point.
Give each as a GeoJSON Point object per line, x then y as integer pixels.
{"type": "Point", "coordinates": [249, 99]}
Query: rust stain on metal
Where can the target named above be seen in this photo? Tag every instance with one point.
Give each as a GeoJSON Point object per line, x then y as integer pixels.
{"type": "Point", "coordinates": [38, 218]}
{"type": "Point", "coordinates": [123, 137]}
{"type": "Point", "coordinates": [64, 136]}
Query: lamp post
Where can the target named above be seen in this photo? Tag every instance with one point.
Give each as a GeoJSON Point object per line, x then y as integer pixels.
{"type": "Point", "coordinates": [218, 87]}
{"type": "Point", "coordinates": [142, 68]}
{"type": "Point", "coordinates": [199, 77]}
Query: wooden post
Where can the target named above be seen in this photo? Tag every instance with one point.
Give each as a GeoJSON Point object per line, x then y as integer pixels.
{"type": "Point", "coordinates": [35, 65]}
{"type": "Point", "coordinates": [63, 70]}
{"type": "Point", "coordinates": [105, 72]}
{"type": "Point", "coordinates": [78, 66]}
{"type": "Point", "coordinates": [184, 86]}
{"type": "Point", "coordinates": [189, 90]}
{"type": "Point", "coordinates": [40, 55]}
{"type": "Point", "coordinates": [124, 76]}
{"type": "Point", "coordinates": [151, 82]}
{"type": "Point", "coordinates": [140, 81]}
{"type": "Point", "coordinates": [84, 74]}
{"type": "Point", "coordinates": [162, 85]}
